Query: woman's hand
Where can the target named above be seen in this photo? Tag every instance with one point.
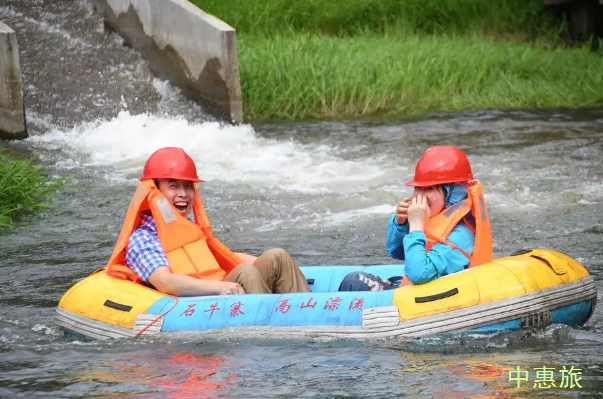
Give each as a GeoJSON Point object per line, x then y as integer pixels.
{"type": "Point", "coordinates": [418, 213]}
{"type": "Point", "coordinates": [402, 210]}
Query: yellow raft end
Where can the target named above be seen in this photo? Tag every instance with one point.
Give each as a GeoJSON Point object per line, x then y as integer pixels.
{"type": "Point", "coordinates": [88, 297]}
{"type": "Point", "coordinates": [500, 279]}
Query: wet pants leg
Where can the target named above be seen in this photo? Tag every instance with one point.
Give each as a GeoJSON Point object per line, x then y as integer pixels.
{"type": "Point", "coordinates": [249, 277]}
{"type": "Point", "coordinates": [280, 272]}
{"type": "Point", "coordinates": [273, 271]}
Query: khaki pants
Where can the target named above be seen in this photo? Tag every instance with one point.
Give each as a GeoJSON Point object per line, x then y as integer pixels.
{"type": "Point", "coordinates": [274, 271]}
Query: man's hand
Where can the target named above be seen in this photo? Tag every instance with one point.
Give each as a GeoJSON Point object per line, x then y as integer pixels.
{"type": "Point", "coordinates": [228, 288]}
{"type": "Point", "coordinates": [402, 210]}
{"type": "Point", "coordinates": [181, 285]}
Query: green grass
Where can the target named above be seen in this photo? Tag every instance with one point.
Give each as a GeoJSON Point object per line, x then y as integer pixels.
{"type": "Point", "coordinates": [24, 188]}
{"type": "Point", "coordinates": [356, 58]}
{"type": "Point", "coordinates": [349, 17]}
{"type": "Point", "coordinates": [308, 76]}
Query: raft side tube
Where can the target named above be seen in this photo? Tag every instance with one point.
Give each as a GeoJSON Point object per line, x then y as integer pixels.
{"type": "Point", "coordinates": [508, 312]}
{"type": "Point", "coordinates": [503, 278]}
{"type": "Point", "coordinates": [329, 278]}
{"type": "Point", "coordinates": [278, 310]}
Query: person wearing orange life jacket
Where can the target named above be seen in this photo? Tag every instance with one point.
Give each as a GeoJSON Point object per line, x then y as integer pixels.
{"type": "Point", "coordinates": [442, 229]}
{"type": "Point", "coordinates": [167, 240]}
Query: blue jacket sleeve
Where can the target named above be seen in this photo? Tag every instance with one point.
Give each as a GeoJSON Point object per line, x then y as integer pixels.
{"type": "Point", "coordinates": [395, 235]}
{"type": "Point", "coordinates": [422, 267]}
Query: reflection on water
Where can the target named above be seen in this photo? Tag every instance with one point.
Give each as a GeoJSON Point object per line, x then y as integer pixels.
{"type": "Point", "coordinates": [175, 375]}
{"type": "Point", "coordinates": [285, 368]}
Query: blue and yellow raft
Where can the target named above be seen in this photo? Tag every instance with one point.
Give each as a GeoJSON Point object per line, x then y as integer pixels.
{"type": "Point", "coordinates": [531, 289]}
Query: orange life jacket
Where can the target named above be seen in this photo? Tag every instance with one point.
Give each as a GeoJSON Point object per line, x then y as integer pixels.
{"type": "Point", "coordinates": [438, 227]}
{"type": "Point", "coordinates": [191, 248]}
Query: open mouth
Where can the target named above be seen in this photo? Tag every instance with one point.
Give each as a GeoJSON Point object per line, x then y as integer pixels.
{"type": "Point", "coordinates": [181, 206]}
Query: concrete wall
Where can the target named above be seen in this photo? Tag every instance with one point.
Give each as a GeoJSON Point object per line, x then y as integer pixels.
{"type": "Point", "coordinates": [184, 45]}
{"type": "Point", "coordinates": [12, 112]}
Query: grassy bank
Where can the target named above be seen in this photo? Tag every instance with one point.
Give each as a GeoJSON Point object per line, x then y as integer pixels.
{"type": "Point", "coordinates": [351, 17]}
{"type": "Point", "coordinates": [305, 59]}
{"type": "Point", "coordinates": [24, 188]}
{"type": "Point", "coordinates": [298, 77]}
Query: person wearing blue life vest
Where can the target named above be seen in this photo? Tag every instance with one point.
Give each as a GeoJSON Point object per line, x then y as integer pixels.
{"type": "Point", "coordinates": [442, 229]}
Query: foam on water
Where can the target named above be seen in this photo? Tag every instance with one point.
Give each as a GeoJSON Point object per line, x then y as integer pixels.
{"type": "Point", "coordinates": [119, 147]}
{"type": "Point", "coordinates": [347, 216]}
{"type": "Point", "coordinates": [359, 188]}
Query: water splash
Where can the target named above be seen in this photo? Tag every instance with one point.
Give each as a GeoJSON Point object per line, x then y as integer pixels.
{"type": "Point", "coordinates": [120, 147]}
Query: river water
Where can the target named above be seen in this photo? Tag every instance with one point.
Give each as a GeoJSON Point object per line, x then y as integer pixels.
{"type": "Point", "coordinates": [323, 191]}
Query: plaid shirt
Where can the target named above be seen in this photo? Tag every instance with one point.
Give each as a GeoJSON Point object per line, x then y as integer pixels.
{"type": "Point", "coordinates": [145, 253]}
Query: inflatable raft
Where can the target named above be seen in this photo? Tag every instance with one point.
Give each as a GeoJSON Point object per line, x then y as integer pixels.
{"type": "Point", "coordinates": [531, 289]}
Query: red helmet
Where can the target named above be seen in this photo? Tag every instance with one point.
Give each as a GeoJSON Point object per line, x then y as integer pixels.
{"type": "Point", "coordinates": [440, 165]}
{"type": "Point", "coordinates": [170, 163]}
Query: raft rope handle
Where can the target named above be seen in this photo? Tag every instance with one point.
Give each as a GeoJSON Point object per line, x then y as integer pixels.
{"type": "Point", "coordinates": [138, 334]}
